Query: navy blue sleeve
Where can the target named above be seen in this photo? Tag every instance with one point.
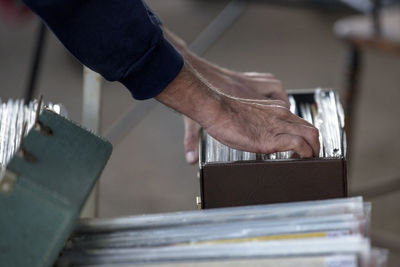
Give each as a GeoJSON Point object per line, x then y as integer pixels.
{"type": "Point", "coordinates": [120, 39]}
{"type": "Point", "coordinates": [153, 17]}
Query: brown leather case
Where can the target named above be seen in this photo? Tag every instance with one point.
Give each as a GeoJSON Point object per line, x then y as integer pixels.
{"type": "Point", "coordinates": [265, 182]}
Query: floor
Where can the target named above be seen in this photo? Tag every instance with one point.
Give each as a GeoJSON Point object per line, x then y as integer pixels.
{"type": "Point", "coordinates": [147, 172]}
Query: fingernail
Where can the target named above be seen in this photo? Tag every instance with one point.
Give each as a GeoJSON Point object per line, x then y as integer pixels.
{"type": "Point", "coordinates": [190, 156]}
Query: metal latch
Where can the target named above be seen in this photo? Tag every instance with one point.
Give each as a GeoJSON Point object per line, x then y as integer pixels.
{"type": "Point", "coordinates": [198, 203]}
{"type": "Point", "coordinates": [7, 182]}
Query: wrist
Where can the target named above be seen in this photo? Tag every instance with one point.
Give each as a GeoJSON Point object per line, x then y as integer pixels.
{"type": "Point", "coordinates": [192, 96]}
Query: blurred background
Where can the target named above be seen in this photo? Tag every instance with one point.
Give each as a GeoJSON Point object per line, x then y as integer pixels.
{"type": "Point", "coordinates": [147, 172]}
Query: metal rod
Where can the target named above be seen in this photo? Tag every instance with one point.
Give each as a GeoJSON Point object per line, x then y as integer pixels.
{"type": "Point", "coordinates": [91, 112]}
{"type": "Point", "coordinates": [353, 70]}
{"type": "Point", "coordinates": [218, 26]}
{"type": "Point", "coordinates": [35, 67]}
{"type": "Point", "coordinates": [129, 120]}
{"type": "Point", "coordinates": [375, 13]}
{"type": "Point", "coordinates": [91, 118]}
{"type": "Point", "coordinates": [363, 6]}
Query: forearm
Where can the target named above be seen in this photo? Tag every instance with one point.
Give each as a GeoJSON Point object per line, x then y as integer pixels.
{"type": "Point", "coordinates": [190, 95]}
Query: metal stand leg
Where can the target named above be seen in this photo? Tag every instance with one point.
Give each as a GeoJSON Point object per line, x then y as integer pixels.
{"type": "Point", "coordinates": [218, 26]}
{"type": "Point", "coordinates": [31, 88]}
{"type": "Point", "coordinates": [91, 118]}
{"type": "Point", "coordinates": [129, 120]}
{"type": "Point", "coordinates": [351, 94]}
{"type": "Point", "coordinates": [375, 13]}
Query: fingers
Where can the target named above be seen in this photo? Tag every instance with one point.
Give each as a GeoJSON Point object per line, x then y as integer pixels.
{"type": "Point", "coordinates": [265, 102]}
{"type": "Point", "coordinates": [292, 118]}
{"type": "Point", "coordinates": [289, 124]}
{"type": "Point", "coordinates": [269, 87]}
{"type": "Point", "coordinates": [272, 89]}
{"type": "Point", "coordinates": [283, 112]}
{"type": "Point", "coordinates": [294, 125]}
{"type": "Point", "coordinates": [191, 140]}
{"type": "Point", "coordinates": [308, 134]}
{"type": "Point", "coordinates": [286, 142]}
{"type": "Point", "coordinates": [286, 123]}
{"type": "Point", "coordinates": [279, 93]}
{"type": "Point", "coordinates": [259, 75]}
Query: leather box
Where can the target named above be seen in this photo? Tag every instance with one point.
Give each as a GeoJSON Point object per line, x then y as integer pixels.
{"type": "Point", "coordinates": [262, 182]}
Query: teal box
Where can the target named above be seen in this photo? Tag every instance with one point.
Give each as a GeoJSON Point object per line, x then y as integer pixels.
{"type": "Point", "coordinates": [48, 186]}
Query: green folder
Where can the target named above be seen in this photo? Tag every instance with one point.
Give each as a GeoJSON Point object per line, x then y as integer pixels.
{"type": "Point", "coordinates": [48, 185]}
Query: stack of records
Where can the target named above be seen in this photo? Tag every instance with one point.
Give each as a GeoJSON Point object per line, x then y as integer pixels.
{"type": "Point", "coordinates": [49, 166]}
{"type": "Point", "coordinates": [321, 108]}
{"type": "Point", "coordinates": [314, 233]}
{"type": "Point", "coordinates": [16, 119]}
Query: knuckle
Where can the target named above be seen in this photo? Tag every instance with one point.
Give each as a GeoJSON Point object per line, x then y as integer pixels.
{"type": "Point", "coordinates": [283, 113]}
{"type": "Point", "coordinates": [297, 142]}
{"type": "Point", "coordinates": [278, 84]}
{"type": "Point", "coordinates": [268, 148]}
{"type": "Point", "coordinates": [314, 133]}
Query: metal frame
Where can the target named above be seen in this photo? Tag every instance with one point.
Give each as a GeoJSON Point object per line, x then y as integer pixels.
{"type": "Point", "coordinates": [91, 118]}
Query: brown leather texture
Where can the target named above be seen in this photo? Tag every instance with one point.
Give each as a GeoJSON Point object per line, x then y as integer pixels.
{"type": "Point", "coordinates": [266, 182]}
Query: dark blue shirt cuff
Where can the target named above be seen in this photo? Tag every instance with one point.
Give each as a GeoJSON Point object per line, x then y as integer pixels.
{"type": "Point", "coordinates": [160, 70]}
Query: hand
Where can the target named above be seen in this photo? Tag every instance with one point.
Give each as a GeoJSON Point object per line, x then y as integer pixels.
{"type": "Point", "coordinates": [263, 126]}
{"type": "Point", "coordinates": [245, 85]}
{"type": "Point", "coordinates": [264, 84]}
{"type": "Point", "coordinates": [250, 85]}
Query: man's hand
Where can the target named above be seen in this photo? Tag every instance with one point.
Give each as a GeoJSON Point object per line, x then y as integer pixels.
{"type": "Point", "coordinates": [263, 126]}
{"type": "Point", "coordinates": [253, 86]}
{"type": "Point", "coordinates": [266, 127]}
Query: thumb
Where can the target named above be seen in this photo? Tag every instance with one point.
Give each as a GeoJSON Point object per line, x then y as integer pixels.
{"type": "Point", "coordinates": [191, 140]}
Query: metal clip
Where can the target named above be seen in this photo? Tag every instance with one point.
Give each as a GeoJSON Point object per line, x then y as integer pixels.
{"type": "Point", "coordinates": [39, 126]}
{"type": "Point", "coordinates": [39, 106]}
{"type": "Point", "coordinates": [26, 155]}
{"type": "Point", "coordinates": [198, 203]}
{"type": "Point", "coordinates": [43, 129]}
{"type": "Point", "coordinates": [7, 182]}
{"type": "Point", "coordinates": [23, 153]}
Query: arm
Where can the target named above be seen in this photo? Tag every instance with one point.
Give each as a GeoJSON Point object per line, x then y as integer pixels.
{"type": "Point", "coordinates": [118, 39]}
